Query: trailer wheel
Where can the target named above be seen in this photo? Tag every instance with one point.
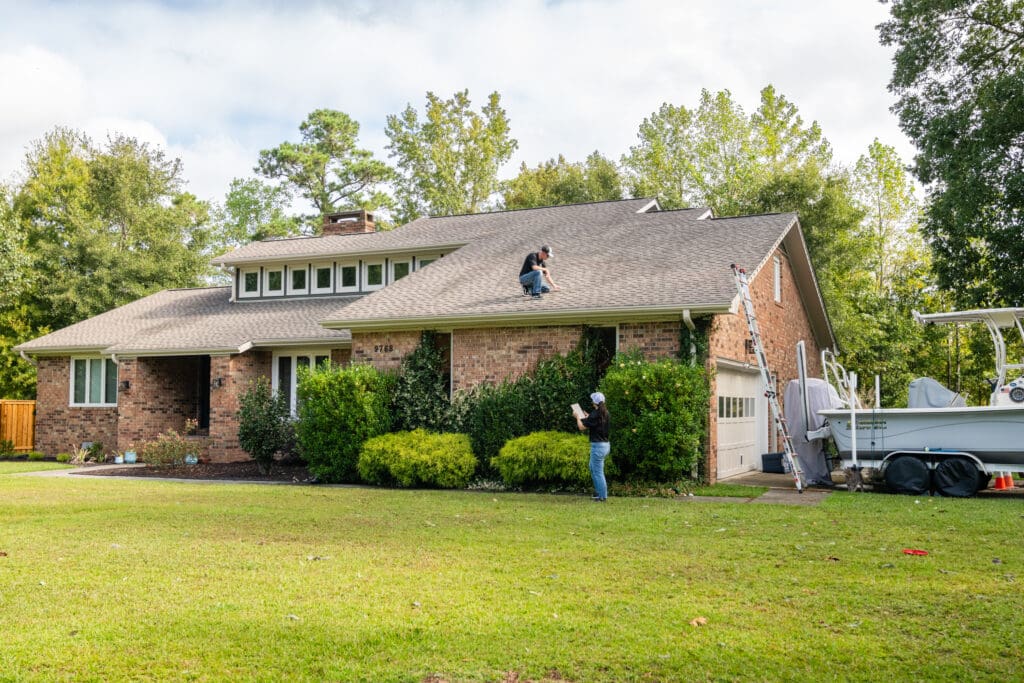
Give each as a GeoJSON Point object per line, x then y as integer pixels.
{"type": "Point", "coordinates": [907, 474]}
{"type": "Point", "coordinates": [957, 478]}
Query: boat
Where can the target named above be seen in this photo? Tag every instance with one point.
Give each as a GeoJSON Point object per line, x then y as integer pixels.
{"type": "Point", "coordinates": [937, 442]}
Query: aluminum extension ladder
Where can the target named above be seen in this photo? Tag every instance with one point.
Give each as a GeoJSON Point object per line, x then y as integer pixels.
{"type": "Point", "coordinates": [743, 287]}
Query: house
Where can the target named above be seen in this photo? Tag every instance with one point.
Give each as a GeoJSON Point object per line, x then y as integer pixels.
{"type": "Point", "coordinates": [633, 274]}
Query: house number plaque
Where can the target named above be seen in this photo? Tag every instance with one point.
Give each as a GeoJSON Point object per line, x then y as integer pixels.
{"type": "Point", "coordinates": [383, 348]}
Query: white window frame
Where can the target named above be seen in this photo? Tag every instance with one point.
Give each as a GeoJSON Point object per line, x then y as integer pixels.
{"type": "Point", "coordinates": [242, 272]}
{"type": "Point", "coordinates": [391, 268]}
{"type": "Point", "coordinates": [314, 288]}
{"type": "Point", "coordinates": [293, 355]}
{"type": "Point", "coordinates": [430, 258]}
{"type": "Point", "coordinates": [88, 377]}
{"type": "Point", "coordinates": [777, 280]}
{"type": "Point", "coordinates": [267, 271]}
{"type": "Point", "coordinates": [367, 287]}
{"type": "Point", "coordinates": [292, 291]}
{"type": "Point", "coordinates": [337, 275]}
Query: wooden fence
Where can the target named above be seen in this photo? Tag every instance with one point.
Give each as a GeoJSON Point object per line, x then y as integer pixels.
{"type": "Point", "coordinates": [18, 424]}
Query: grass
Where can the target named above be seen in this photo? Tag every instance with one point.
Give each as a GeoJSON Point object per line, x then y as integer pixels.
{"type": "Point", "coordinates": [106, 579]}
{"type": "Point", "coordinates": [16, 466]}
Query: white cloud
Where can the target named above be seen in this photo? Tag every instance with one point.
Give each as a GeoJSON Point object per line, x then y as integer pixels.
{"type": "Point", "coordinates": [216, 83]}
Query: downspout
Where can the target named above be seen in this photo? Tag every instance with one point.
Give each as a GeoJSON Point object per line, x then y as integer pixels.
{"type": "Point", "coordinates": [25, 358]}
{"type": "Point", "coordinates": [688, 321]}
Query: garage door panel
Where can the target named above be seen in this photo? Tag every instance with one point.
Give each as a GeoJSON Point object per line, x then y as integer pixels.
{"type": "Point", "coordinates": [738, 407]}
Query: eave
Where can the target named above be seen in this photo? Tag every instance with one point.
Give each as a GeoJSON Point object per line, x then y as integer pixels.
{"type": "Point", "coordinates": [529, 319]}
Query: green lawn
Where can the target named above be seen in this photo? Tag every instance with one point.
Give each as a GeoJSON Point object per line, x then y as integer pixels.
{"type": "Point", "coordinates": [15, 466]}
{"type": "Point", "coordinates": [106, 579]}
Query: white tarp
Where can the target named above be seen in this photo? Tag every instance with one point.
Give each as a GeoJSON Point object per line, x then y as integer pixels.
{"type": "Point", "coordinates": [820, 396]}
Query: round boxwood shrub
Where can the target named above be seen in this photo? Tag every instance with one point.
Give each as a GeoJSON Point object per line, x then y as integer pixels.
{"type": "Point", "coordinates": [546, 458]}
{"type": "Point", "coordinates": [418, 458]}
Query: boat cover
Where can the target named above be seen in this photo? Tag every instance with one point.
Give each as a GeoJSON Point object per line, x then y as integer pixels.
{"type": "Point", "coordinates": [925, 392]}
{"type": "Point", "coordinates": [820, 396]}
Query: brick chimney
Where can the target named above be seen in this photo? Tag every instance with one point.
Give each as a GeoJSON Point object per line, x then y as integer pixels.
{"type": "Point", "coordinates": [348, 223]}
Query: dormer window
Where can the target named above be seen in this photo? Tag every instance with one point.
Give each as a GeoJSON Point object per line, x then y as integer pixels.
{"type": "Point", "coordinates": [373, 274]}
{"type": "Point", "coordinates": [348, 277]}
{"type": "Point", "coordinates": [323, 282]}
{"type": "Point", "coordinates": [298, 282]}
{"type": "Point", "coordinates": [249, 282]}
{"type": "Point", "coordinates": [400, 269]}
{"type": "Point", "coordinates": [274, 282]}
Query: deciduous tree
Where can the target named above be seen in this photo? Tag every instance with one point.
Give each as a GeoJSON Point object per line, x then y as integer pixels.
{"type": "Point", "coordinates": [448, 162]}
{"type": "Point", "coordinates": [557, 182]}
{"type": "Point", "coordinates": [959, 79]}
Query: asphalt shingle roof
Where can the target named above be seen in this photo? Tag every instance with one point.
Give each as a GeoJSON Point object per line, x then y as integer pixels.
{"type": "Point", "coordinates": [609, 259]}
{"type": "Point", "coordinates": [657, 261]}
{"type": "Point", "coordinates": [189, 321]}
{"type": "Point", "coordinates": [425, 233]}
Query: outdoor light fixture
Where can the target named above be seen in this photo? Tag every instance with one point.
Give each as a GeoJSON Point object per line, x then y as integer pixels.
{"type": "Point", "coordinates": [124, 385]}
{"type": "Point", "coordinates": [217, 383]}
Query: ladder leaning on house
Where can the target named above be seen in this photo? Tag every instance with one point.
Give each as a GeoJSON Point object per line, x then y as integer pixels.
{"type": "Point", "coordinates": [743, 287]}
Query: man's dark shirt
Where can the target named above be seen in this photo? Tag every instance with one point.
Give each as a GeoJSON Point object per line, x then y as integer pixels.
{"type": "Point", "coordinates": [529, 263]}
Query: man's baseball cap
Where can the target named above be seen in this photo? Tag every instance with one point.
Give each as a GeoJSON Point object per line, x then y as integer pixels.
{"type": "Point", "coordinates": [547, 250]}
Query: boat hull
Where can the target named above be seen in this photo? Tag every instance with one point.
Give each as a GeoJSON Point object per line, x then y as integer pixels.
{"type": "Point", "coordinates": [994, 434]}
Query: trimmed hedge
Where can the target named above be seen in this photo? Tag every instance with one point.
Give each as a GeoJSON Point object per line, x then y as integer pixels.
{"type": "Point", "coordinates": [339, 409]}
{"type": "Point", "coordinates": [546, 458]}
{"type": "Point", "coordinates": [418, 458]}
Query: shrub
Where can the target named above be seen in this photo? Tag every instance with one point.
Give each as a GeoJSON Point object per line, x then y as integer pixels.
{"type": "Point", "coordinates": [265, 427]}
{"type": "Point", "coordinates": [658, 416]}
{"type": "Point", "coordinates": [64, 457]}
{"type": "Point", "coordinates": [418, 458]}
{"type": "Point", "coordinates": [493, 414]}
{"type": "Point", "coordinates": [339, 409]}
{"type": "Point", "coordinates": [6, 449]}
{"type": "Point", "coordinates": [96, 452]}
{"type": "Point", "coordinates": [169, 449]}
{"type": "Point", "coordinates": [421, 391]}
{"type": "Point", "coordinates": [546, 458]}
{"type": "Point", "coordinates": [36, 456]}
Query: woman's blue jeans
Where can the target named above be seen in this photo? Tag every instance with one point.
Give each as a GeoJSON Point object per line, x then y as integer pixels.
{"type": "Point", "coordinates": [598, 452]}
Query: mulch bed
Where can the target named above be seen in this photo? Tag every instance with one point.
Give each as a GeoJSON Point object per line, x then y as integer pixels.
{"type": "Point", "coordinates": [229, 471]}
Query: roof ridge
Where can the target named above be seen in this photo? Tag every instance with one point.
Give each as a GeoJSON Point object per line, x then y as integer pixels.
{"type": "Point", "coordinates": [550, 206]}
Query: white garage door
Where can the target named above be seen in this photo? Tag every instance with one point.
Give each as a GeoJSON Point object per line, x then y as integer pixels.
{"type": "Point", "coordinates": [741, 421]}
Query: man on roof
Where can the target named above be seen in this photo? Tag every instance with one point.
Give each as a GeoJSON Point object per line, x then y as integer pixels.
{"type": "Point", "coordinates": [534, 272]}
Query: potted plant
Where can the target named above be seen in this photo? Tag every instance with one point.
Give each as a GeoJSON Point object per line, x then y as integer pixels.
{"type": "Point", "coordinates": [129, 455]}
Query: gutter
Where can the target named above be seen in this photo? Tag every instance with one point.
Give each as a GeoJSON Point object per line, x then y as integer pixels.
{"type": "Point", "coordinates": [525, 319]}
{"type": "Point", "coordinates": [25, 358]}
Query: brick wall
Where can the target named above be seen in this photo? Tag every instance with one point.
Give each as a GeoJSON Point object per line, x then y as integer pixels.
{"type": "Point", "coordinates": [59, 427]}
{"type": "Point", "coordinates": [782, 325]}
{"type": "Point", "coordinates": [655, 340]}
{"type": "Point", "coordinates": [383, 350]}
{"type": "Point", "coordinates": [494, 354]}
{"type": "Point", "coordinates": [235, 372]}
{"type": "Point", "coordinates": [162, 394]}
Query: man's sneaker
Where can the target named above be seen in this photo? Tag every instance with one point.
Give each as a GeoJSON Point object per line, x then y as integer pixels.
{"type": "Point", "coordinates": [537, 296]}
{"type": "Point", "coordinates": [544, 290]}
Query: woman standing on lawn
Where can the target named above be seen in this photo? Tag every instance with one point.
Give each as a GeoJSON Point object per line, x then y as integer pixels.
{"type": "Point", "coordinates": [597, 422]}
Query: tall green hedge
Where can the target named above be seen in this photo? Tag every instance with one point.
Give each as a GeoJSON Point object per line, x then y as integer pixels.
{"type": "Point", "coordinates": [658, 416]}
{"type": "Point", "coordinates": [339, 409]}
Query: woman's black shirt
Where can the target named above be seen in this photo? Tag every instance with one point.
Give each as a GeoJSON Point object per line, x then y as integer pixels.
{"type": "Point", "coordinates": [598, 426]}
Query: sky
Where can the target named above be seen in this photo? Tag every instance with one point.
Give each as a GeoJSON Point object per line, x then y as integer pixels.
{"type": "Point", "coordinates": [213, 83]}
